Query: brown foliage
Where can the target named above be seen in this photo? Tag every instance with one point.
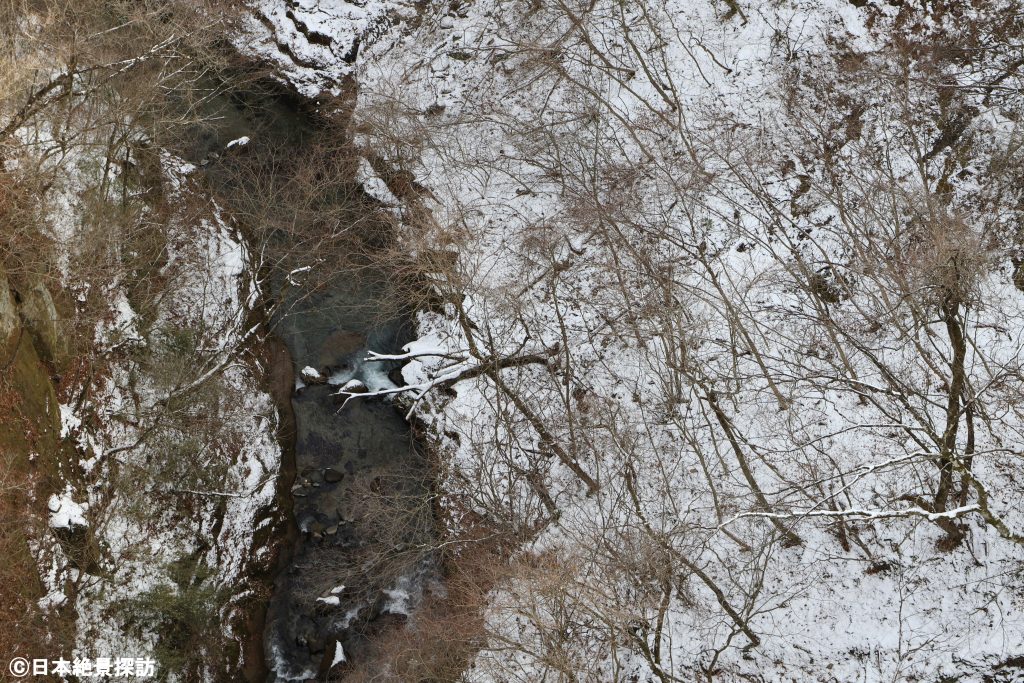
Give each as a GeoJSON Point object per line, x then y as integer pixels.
{"type": "Point", "coordinates": [438, 642]}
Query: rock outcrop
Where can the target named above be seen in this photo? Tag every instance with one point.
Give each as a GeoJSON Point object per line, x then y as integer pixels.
{"type": "Point", "coordinates": [9, 323]}
{"type": "Point", "coordinates": [40, 317]}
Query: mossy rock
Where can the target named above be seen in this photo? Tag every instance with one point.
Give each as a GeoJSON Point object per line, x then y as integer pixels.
{"type": "Point", "coordinates": [29, 412]}
{"type": "Point", "coordinates": [31, 444]}
{"type": "Point", "coordinates": [10, 325]}
{"type": "Point", "coordinates": [40, 317]}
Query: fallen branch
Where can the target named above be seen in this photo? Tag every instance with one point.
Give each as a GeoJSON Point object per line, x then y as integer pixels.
{"type": "Point", "coordinates": [449, 376]}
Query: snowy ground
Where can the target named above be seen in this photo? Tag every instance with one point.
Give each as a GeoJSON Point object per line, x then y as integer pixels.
{"type": "Point", "coordinates": [741, 228]}
{"type": "Point", "coordinates": [178, 457]}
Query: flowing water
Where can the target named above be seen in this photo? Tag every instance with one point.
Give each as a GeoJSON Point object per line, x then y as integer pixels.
{"type": "Point", "coordinates": [360, 514]}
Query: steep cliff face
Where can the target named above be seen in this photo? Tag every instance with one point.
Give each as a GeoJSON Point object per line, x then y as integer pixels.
{"type": "Point", "coordinates": [40, 318]}
{"type": "Point", "coordinates": [175, 446]}
{"type": "Point", "coordinates": [9, 326]}
{"type": "Point", "coordinates": [33, 460]}
{"type": "Point", "coordinates": [138, 464]}
{"type": "Point", "coordinates": [28, 337]}
{"type": "Point", "coordinates": [31, 432]}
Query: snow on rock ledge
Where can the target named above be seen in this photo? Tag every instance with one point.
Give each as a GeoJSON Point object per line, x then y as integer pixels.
{"type": "Point", "coordinates": [65, 513]}
{"type": "Point", "coordinates": [311, 375]}
{"type": "Point", "coordinates": [314, 42]}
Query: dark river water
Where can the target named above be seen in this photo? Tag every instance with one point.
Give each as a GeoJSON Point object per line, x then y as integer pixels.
{"type": "Point", "coordinates": [360, 520]}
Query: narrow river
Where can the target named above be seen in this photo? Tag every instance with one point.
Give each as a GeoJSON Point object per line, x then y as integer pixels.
{"type": "Point", "coordinates": [353, 559]}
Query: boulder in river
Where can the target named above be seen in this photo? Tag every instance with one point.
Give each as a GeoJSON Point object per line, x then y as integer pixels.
{"type": "Point", "coordinates": [354, 386]}
{"type": "Point", "coordinates": [311, 375]}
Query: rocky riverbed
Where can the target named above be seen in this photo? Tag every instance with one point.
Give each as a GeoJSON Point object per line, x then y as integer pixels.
{"type": "Point", "coordinates": [360, 517]}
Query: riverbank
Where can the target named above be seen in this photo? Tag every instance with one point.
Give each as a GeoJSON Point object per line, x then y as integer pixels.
{"type": "Point", "coordinates": [356, 543]}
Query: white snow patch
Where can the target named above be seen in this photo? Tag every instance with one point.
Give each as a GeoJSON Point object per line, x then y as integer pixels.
{"type": "Point", "coordinates": [65, 512]}
{"type": "Point", "coordinates": [311, 375]}
{"type": "Point", "coordinates": [69, 422]}
{"type": "Point", "coordinates": [339, 654]}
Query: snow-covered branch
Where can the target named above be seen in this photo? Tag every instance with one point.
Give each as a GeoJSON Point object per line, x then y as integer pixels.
{"type": "Point", "coordinates": [459, 371]}
{"type": "Point", "coordinates": [862, 514]}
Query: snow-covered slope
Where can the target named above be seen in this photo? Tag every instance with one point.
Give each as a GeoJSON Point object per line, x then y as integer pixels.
{"type": "Point", "coordinates": [732, 334]}
{"type": "Point", "coordinates": [176, 439]}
